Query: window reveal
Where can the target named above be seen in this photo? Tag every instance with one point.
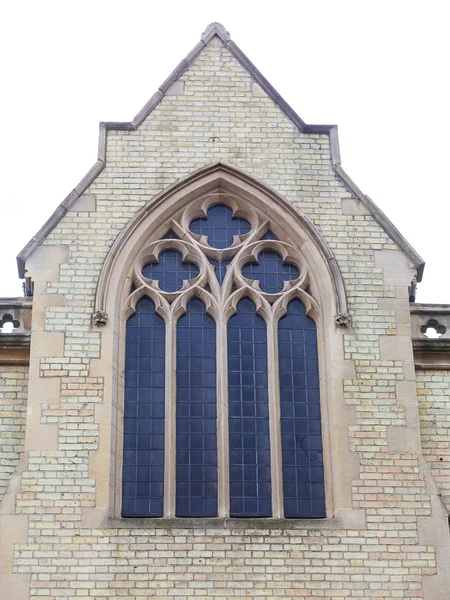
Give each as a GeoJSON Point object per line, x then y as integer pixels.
{"type": "Point", "coordinates": [241, 409]}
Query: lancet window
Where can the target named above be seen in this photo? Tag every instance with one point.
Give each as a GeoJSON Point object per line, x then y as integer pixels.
{"type": "Point", "coordinates": [222, 405]}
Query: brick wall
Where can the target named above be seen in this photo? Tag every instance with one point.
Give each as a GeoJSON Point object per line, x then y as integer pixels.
{"type": "Point", "coordinates": [13, 407]}
{"type": "Point", "coordinates": [433, 390]}
{"type": "Point", "coordinates": [253, 562]}
{"type": "Point", "coordinates": [221, 115]}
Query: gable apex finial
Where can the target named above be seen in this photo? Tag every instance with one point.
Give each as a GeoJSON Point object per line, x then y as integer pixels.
{"type": "Point", "coordinates": [215, 29]}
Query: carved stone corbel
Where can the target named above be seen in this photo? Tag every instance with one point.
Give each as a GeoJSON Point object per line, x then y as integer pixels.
{"type": "Point", "coordinates": [99, 318]}
{"type": "Point", "coordinates": [342, 320]}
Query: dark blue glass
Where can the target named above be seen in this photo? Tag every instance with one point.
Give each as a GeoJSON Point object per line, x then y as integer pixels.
{"type": "Point", "coordinates": [196, 447]}
{"type": "Point", "coordinates": [301, 431]}
{"type": "Point", "coordinates": [143, 442]}
{"type": "Point", "coordinates": [250, 484]}
{"type": "Point", "coordinates": [220, 267]}
{"type": "Point", "coordinates": [220, 226]}
{"type": "Point", "coordinates": [270, 271]}
{"type": "Point", "coordinates": [170, 271]}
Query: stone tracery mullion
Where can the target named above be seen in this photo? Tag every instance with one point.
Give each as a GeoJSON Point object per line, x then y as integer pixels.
{"type": "Point", "coordinates": [276, 464]}
{"type": "Point", "coordinates": [170, 419]}
{"type": "Point", "coordinates": [222, 420]}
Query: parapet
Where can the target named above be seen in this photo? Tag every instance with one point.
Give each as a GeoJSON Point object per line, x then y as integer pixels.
{"type": "Point", "coordinates": [15, 330]}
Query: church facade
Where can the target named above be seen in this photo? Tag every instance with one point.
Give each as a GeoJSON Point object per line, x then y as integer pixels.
{"type": "Point", "coordinates": [218, 384]}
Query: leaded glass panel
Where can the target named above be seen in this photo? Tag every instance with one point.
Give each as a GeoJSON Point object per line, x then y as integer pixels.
{"type": "Point", "coordinates": [301, 432]}
{"type": "Point", "coordinates": [250, 490]}
{"type": "Point", "coordinates": [196, 413]}
{"type": "Point", "coordinates": [143, 441]}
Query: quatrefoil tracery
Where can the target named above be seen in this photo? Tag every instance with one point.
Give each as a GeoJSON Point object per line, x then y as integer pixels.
{"type": "Point", "coordinates": [171, 272]}
{"type": "Point", "coordinates": [231, 231]}
{"type": "Point", "coordinates": [218, 251]}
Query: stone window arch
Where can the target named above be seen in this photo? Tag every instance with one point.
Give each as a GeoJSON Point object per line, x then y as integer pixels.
{"type": "Point", "coordinates": [219, 251]}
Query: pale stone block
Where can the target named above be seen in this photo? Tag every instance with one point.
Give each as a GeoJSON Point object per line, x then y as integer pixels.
{"type": "Point", "coordinates": [42, 301]}
{"type": "Point", "coordinates": [409, 369]}
{"type": "Point", "coordinates": [176, 89]}
{"type": "Point", "coordinates": [395, 304]}
{"type": "Point", "coordinates": [84, 203]}
{"type": "Point", "coordinates": [13, 530]}
{"type": "Point", "coordinates": [95, 518]}
{"type": "Point", "coordinates": [412, 416]}
{"type": "Point", "coordinates": [343, 369]}
{"type": "Point", "coordinates": [351, 206]}
{"type": "Point", "coordinates": [15, 587]}
{"type": "Point", "coordinates": [47, 343]}
{"type": "Point", "coordinates": [43, 265]}
{"type": "Point", "coordinates": [434, 531]}
{"type": "Point", "coordinates": [396, 266]}
{"type": "Point", "coordinates": [42, 390]}
{"type": "Point", "coordinates": [39, 436]}
{"type": "Point", "coordinates": [351, 518]}
{"type": "Point", "coordinates": [395, 347]}
{"type": "Point", "coordinates": [402, 291]}
{"type": "Point", "coordinates": [215, 42]}
{"type": "Point", "coordinates": [337, 349]}
{"type": "Point", "coordinates": [407, 393]}
{"type": "Point", "coordinates": [257, 90]}
{"type": "Point", "coordinates": [404, 439]}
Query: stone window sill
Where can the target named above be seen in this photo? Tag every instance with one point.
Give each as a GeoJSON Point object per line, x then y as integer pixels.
{"type": "Point", "coordinates": [347, 519]}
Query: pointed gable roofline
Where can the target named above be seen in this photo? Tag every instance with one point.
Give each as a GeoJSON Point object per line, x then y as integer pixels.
{"type": "Point", "coordinates": [216, 29]}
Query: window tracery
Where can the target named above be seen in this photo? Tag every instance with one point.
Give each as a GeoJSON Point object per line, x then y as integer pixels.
{"type": "Point", "coordinates": [242, 429]}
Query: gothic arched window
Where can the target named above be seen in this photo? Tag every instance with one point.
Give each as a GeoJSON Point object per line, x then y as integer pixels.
{"type": "Point", "coordinates": [222, 408]}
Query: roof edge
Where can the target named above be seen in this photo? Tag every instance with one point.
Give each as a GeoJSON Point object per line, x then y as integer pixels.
{"type": "Point", "coordinates": [59, 213]}
{"type": "Point", "coordinates": [216, 29]}
{"type": "Point", "coordinates": [383, 221]}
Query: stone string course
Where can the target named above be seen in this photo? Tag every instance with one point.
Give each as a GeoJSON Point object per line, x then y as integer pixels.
{"type": "Point", "coordinates": [220, 114]}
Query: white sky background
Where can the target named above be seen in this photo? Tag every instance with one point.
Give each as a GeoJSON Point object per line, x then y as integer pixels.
{"type": "Point", "coordinates": [378, 69]}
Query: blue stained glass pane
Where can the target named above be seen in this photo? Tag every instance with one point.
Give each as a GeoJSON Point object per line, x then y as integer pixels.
{"type": "Point", "coordinates": [143, 456]}
{"type": "Point", "coordinates": [250, 484]}
{"type": "Point", "coordinates": [301, 433]}
{"type": "Point", "coordinates": [196, 447]}
{"type": "Point", "coordinates": [170, 271]}
{"type": "Point", "coordinates": [270, 271]}
{"type": "Point", "coordinates": [220, 226]}
{"type": "Point", "coordinates": [220, 267]}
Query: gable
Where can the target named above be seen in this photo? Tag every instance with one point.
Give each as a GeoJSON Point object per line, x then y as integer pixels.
{"type": "Point", "coordinates": [214, 86]}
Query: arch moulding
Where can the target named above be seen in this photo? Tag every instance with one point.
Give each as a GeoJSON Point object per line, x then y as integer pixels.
{"type": "Point", "coordinates": [322, 286]}
{"type": "Point", "coordinates": [158, 212]}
